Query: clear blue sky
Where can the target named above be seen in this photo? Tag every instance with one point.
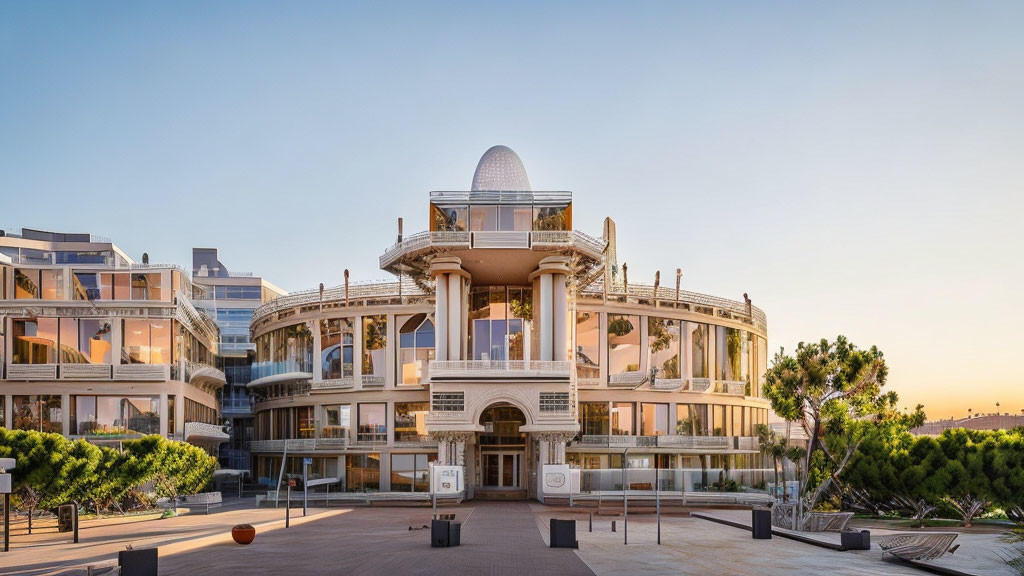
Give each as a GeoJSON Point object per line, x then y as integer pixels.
{"type": "Point", "coordinates": [856, 168]}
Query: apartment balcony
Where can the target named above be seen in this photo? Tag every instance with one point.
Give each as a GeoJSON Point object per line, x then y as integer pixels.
{"type": "Point", "coordinates": [264, 373]}
{"type": "Point", "coordinates": [99, 372]}
{"type": "Point", "coordinates": [545, 240]}
{"type": "Point", "coordinates": [299, 445]}
{"type": "Point", "coordinates": [203, 376]}
{"type": "Point", "coordinates": [204, 432]}
{"type": "Point", "coordinates": [673, 442]}
{"type": "Point", "coordinates": [499, 369]}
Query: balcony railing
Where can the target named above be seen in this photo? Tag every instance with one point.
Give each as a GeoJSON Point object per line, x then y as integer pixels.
{"type": "Point", "coordinates": [294, 365]}
{"type": "Point", "coordinates": [522, 239]}
{"type": "Point", "coordinates": [499, 369]}
{"type": "Point", "coordinates": [671, 441]}
{"type": "Point", "coordinates": [299, 444]}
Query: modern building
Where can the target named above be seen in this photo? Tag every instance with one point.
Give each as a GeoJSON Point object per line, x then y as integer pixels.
{"type": "Point", "coordinates": [994, 421]}
{"type": "Point", "coordinates": [509, 343]}
{"type": "Point", "coordinates": [230, 298]}
{"type": "Point", "coordinates": [96, 345]}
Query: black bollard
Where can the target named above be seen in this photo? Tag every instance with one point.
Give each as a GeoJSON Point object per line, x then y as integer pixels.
{"type": "Point", "coordinates": [590, 527]}
{"type": "Point", "coordinates": [613, 525]}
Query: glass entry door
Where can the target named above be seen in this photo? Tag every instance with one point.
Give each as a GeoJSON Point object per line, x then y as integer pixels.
{"type": "Point", "coordinates": [500, 469]}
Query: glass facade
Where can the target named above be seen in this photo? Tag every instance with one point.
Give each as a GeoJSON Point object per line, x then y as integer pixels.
{"type": "Point", "coordinates": [497, 315]}
{"type": "Point", "coordinates": [411, 472]}
{"type": "Point", "coordinates": [653, 419]}
{"type": "Point", "coordinates": [411, 421]}
{"type": "Point", "coordinates": [35, 341]}
{"type": "Point", "coordinates": [336, 423]}
{"type": "Point", "coordinates": [622, 418]}
{"type": "Point", "coordinates": [362, 472]}
{"type": "Point", "coordinates": [37, 412]}
{"type": "Point", "coordinates": [415, 349]}
{"type": "Point", "coordinates": [115, 415]}
{"type": "Point", "coordinates": [588, 345]}
{"type": "Point", "coordinates": [522, 217]}
{"type": "Point", "coordinates": [623, 344]}
{"type": "Point", "coordinates": [663, 347]}
{"type": "Point", "coordinates": [337, 337]}
{"type": "Point", "coordinates": [373, 423]}
{"type": "Point", "coordinates": [699, 334]}
{"type": "Point", "coordinates": [375, 339]}
{"type": "Point", "coordinates": [732, 354]}
{"type": "Point", "coordinates": [146, 341]}
{"type": "Point", "coordinates": [594, 420]}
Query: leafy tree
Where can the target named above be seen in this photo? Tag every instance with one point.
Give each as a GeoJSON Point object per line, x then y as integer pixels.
{"type": "Point", "coordinates": [834, 391]}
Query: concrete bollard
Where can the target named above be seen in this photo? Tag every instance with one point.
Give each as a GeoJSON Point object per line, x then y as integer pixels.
{"type": "Point", "coordinates": [613, 525]}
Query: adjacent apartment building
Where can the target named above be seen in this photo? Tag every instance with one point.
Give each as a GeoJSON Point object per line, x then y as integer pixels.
{"type": "Point", "coordinates": [96, 345]}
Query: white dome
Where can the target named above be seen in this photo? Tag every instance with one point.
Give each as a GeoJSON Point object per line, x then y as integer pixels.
{"type": "Point", "coordinates": [500, 169]}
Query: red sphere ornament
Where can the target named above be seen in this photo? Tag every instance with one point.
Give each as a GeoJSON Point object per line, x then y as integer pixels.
{"type": "Point", "coordinates": [243, 533]}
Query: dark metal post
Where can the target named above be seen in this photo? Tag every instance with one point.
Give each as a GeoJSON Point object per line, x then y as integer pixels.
{"type": "Point", "coordinates": [7, 522]}
{"type": "Point", "coordinates": [305, 487]}
{"type": "Point", "coordinates": [76, 522]}
{"type": "Point", "coordinates": [657, 502]}
{"type": "Point", "coordinates": [590, 527]}
{"type": "Point", "coordinates": [625, 501]}
{"type": "Point", "coordinates": [288, 507]}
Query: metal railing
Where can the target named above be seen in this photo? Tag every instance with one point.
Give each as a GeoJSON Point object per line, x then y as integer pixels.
{"type": "Point", "coordinates": [299, 444]}
{"type": "Point", "coordinates": [499, 368]}
{"type": "Point", "coordinates": [700, 482]}
{"type": "Point", "coordinates": [294, 365]}
{"type": "Point", "coordinates": [671, 441]}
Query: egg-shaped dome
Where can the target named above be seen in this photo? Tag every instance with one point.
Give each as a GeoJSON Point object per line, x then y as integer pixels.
{"type": "Point", "coordinates": [500, 169]}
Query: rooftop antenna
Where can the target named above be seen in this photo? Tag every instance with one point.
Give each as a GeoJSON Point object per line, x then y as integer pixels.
{"type": "Point", "coordinates": [321, 296]}
{"type": "Point", "coordinates": [657, 282]}
{"type": "Point", "coordinates": [346, 287]}
{"type": "Point", "coordinates": [679, 278]}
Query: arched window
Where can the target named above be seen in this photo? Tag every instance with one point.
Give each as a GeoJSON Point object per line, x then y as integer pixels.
{"type": "Point", "coordinates": [415, 349]}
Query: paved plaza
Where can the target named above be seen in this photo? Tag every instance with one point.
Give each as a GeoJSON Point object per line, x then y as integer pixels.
{"type": "Point", "coordinates": [498, 538]}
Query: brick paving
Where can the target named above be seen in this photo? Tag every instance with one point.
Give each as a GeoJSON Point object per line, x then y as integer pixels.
{"type": "Point", "coordinates": [498, 538]}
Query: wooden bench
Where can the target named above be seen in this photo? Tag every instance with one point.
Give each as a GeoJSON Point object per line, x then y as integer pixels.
{"type": "Point", "coordinates": [207, 499]}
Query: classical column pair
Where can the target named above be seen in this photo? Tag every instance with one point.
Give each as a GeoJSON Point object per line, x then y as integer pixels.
{"type": "Point", "coordinates": [552, 311]}
{"type": "Point", "coordinates": [450, 281]}
{"type": "Point", "coordinates": [451, 446]}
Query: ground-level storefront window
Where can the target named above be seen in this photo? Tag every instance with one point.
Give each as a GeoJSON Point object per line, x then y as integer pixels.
{"type": "Point", "coordinates": [411, 421]}
{"type": "Point", "coordinates": [115, 415]}
{"type": "Point", "coordinates": [411, 472]}
{"type": "Point", "coordinates": [362, 472]}
{"type": "Point", "coordinates": [40, 413]}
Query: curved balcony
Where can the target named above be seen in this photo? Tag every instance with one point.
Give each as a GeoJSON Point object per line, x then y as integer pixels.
{"type": "Point", "coordinates": [673, 442]}
{"type": "Point", "coordinates": [266, 373]}
{"type": "Point", "coordinates": [529, 240]}
{"type": "Point", "coordinates": [204, 376]}
{"type": "Point", "coordinates": [205, 433]}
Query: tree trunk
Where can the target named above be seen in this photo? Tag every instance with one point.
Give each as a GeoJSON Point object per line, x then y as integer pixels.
{"type": "Point", "coordinates": [30, 508]}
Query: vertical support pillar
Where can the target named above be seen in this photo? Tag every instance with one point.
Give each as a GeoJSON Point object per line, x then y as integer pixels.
{"type": "Point", "coordinates": [65, 414]}
{"type": "Point", "coordinates": [179, 414]}
{"type": "Point", "coordinates": [560, 345]}
{"type": "Point", "coordinates": [441, 316]}
{"type": "Point", "coordinates": [546, 320]}
{"type": "Point", "coordinates": [455, 317]}
{"type": "Point", "coordinates": [543, 445]}
{"type": "Point", "coordinates": [357, 351]}
{"type": "Point", "coordinates": [317, 367]}
{"type": "Point", "coordinates": [164, 424]}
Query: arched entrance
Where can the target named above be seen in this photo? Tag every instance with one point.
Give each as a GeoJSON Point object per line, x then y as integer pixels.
{"type": "Point", "coordinates": [502, 449]}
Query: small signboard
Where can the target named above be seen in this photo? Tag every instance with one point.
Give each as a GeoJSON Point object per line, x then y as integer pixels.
{"type": "Point", "coordinates": [557, 479]}
{"type": "Point", "coordinates": [448, 479]}
{"type": "Point", "coordinates": [307, 461]}
{"type": "Point", "coordinates": [291, 482]}
{"type": "Point", "coordinates": [5, 483]}
{"type": "Point", "coordinates": [67, 515]}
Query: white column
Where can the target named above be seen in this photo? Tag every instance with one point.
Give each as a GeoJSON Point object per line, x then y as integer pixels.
{"type": "Point", "coordinates": [441, 317]}
{"type": "Point", "coordinates": [65, 414]}
{"type": "Point", "coordinates": [8, 411]}
{"type": "Point", "coordinates": [686, 354]}
{"type": "Point", "coordinates": [390, 352]}
{"type": "Point", "coordinates": [543, 446]}
{"type": "Point", "coordinates": [317, 346]}
{"type": "Point", "coordinates": [560, 346]}
{"type": "Point", "coordinates": [163, 414]}
{"type": "Point", "coordinates": [455, 317]}
{"type": "Point", "coordinates": [546, 320]}
{"type": "Point", "coordinates": [179, 414]}
{"type": "Point", "coordinates": [357, 351]}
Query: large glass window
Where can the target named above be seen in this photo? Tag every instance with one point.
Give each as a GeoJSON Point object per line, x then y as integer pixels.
{"type": "Point", "coordinates": [622, 418]}
{"type": "Point", "coordinates": [594, 418]}
{"type": "Point", "coordinates": [53, 284]}
{"type": "Point", "coordinates": [411, 472]}
{"type": "Point", "coordinates": [497, 314]}
{"type": "Point", "coordinates": [515, 218]}
{"type": "Point", "coordinates": [146, 341]}
{"type": "Point", "coordinates": [692, 419]}
{"type": "Point", "coordinates": [40, 413]}
{"type": "Point", "coordinates": [653, 419]}
{"type": "Point", "coordinates": [762, 365]}
{"type": "Point", "coordinates": [115, 415]}
{"type": "Point", "coordinates": [555, 217]}
{"type": "Point", "coordinates": [147, 286]}
{"type": "Point", "coordinates": [336, 422]}
{"type": "Point", "coordinates": [483, 218]}
{"type": "Point", "coordinates": [663, 346]}
{"type": "Point", "coordinates": [362, 472]}
{"type": "Point", "coordinates": [93, 286]}
{"type": "Point", "coordinates": [336, 344]}
{"type": "Point", "coordinates": [411, 421]}
{"type": "Point", "coordinates": [623, 343]}
{"type": "Point", "coordinates": [373, 423]}
{"type": "Point", "coordinates": [449, 218]}
{"type": "Point", "coordinates": [588, 345]}
{"type": "Point", "coordinates": [721, 424]}
{"type": "Point", "coordinates": [699, 337]}
{"type": "Point", "coordinates": [415, 349]}
{"type": "Point", "coordinates": [732, 354]}
{"type": "Point", "coordinates": [35, 341]}
{"type": "Point", "coordinates": [375, 339]}
{"type": "Point", "coordinates": [26, 283]}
